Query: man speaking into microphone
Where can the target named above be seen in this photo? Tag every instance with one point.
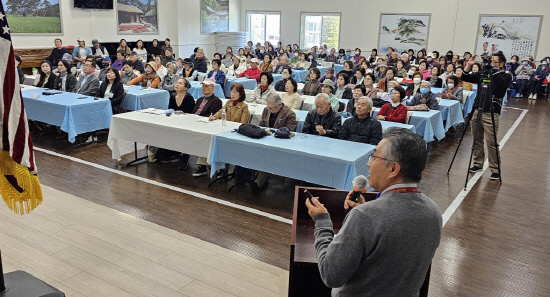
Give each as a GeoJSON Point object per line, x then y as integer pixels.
{"type": "Point", "coordinates": [385, 246]}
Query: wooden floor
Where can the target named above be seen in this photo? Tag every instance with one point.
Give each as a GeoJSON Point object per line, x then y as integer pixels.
{"type": "Point", "coordinates": [495, 244]}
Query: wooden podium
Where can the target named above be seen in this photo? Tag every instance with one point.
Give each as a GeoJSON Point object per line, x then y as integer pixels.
{"type": "Point", "coordinates": [305, 279]}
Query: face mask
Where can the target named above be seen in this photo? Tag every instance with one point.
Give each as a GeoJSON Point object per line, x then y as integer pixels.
{"type": "Point", "coordinates": [416, 80]}
{"type": "Point", "coordinates": [525, 63]}
{"type": "Point", "coordinates": [389, 90]}
{"type": "Point", "coordinates": [514, 61]}
{"type": "Point", "coordinates": [430, 59]}
{"type": "Point", "coordinates": [295, 54]}
{"type": "Point", "coordinates": [451, 86]}
{"type": "Point", "coordinates": [310, 57]}
{"type": "Point", "coordinates": [410, 73]}
{"type": "Point", "coordinates": [424, 91]}
{"type": "Point", "coordinates": [357, 53]}
{"type": "Point", "coordinates": [347, 54]}
{"type": "Point", "coordinates": [261, 52]}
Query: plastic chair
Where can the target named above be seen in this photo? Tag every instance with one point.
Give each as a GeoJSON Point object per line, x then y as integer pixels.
{"type": "Point", "coordinates": [408, 118]}
{"type": "Point", "coordinates": [252, 112]}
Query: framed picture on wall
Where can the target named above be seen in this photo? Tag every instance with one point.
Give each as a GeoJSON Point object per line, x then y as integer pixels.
{"type": "Point", "coordinates": [137, 17]}
{"type": "Point", "coordinates": [403, 32]}
{"type": "Point", "coordinates": [33, 17]}
{"type": "Point", "coordinates": [214, 16]}
{"type": "Point", "coordinates": [511, 34]}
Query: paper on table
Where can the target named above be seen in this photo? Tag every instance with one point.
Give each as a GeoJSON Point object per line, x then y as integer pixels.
{"type": "Point", "coordinates": [205, 120]}
{"type": "Point", "coordinates": [152, 111]}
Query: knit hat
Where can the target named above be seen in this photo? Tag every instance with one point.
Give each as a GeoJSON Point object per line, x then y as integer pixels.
{"type": "Point", "coordinates": [329, 83]}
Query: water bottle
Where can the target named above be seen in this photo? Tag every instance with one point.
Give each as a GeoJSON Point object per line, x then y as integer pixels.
{"type": "Point", "coordinates": [224, 117]}
{"type": "Point", "coordinates": [148, 85]}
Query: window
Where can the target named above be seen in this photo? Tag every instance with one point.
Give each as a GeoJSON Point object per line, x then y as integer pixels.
{"type": "Point", "coordinates": [319, 29]}
{"type": "Point", "coordinates": [262, 26]}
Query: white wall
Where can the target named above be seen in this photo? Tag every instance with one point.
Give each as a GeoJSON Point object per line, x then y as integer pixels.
{"type": "Point", "coordinates": [360, 19]}
{"type": "Point", "coordinates": [178, 20]}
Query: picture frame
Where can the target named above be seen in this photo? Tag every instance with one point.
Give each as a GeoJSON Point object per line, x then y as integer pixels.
{"type": "Point", "coordinates": [44, 19]}
{"type": "Point", "coordinates": [214, 16]}
{"type": "Point", "coordinates": [403, 32]}
{"type": "Point", "coordinates": [139, 17]}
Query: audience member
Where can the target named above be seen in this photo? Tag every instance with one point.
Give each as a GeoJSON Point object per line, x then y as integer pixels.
{"type": "Point", "coordinates": [383, 83]}
{"type": "Point", "coordinates": [313, 86]}
{"type": "Point", "coordinates": [47, 77]}
{"type": "Point", "coordinates": [370, 90]}
{"type": "Point", "coordinates": [166, 46]}
{"type": "Point", "coordinates": [140, 51]}
{"type": "Point", "coordinates": [381, 72]}
{"type": "Point", "coordinates": [537, 78]}
{"type": "Point", "coordinates": [329, 74]}
{"type": "Point", "coordinates": [217, 74]}
{"type": "Point", "coordinates": [65, 80]}
{"type": "Point", "coordinates": [424, 97]}
{"type": "Point", "coordinates": [252, 72]}
{"type": "Point", "coordinates": [80, 53]}
{"type": "Point", "coordinates": [286, 73]}
{"type": "Point", "coordinates": [153, 51]}
{"type": "Point", "coordinates": [136, 62]}
{"type": "Point", "coordinates": [119, 60]}
{"type": "Point", "coordinates": [332, 56]}
{"type": "Point", "coordinates": [362, 127]}
{"type": "Point", "coordinates": [150, 75]}
{"type": "Point", "coordinates": [394, 111]}
{"type": "Point", "coordinates": [342, 90]}
{"type": "Point", "coordinates": [452, 90]}
{"type": "Point", "coordinates": [199, 62]}
{"type": "Point", "coordinates": [88, 84]}
{"type": "Point", "coordinates": [237, 68]}
{"type": "Point", "coordinates": [304, 62]}
{"type": "Point", "coordinates": [414, 88]}
{"type": "Point", "coordinates": [161, 70]}
{"type": "Point", "coordinates": [106, 65]}
{"type": "Point", "coordinates": [127, 73]}
{"type": "Point", "coordinates": [359, 76]}
{"type": "Point", "coordinates": [523, 74]}
{"type": "Point", "coordinates": [123, 46]}
{"type": "Point", "coordinates": [434, 79]}
{"type": "Point", "coordinates": [323, 120]}
{"type": "Point", "coordinates": [266, 66]}
{"type": "Point", "coordinates": [358, 92]}
{"type": "Point", "coordinates": [57, 52]}
{"type": "Point", "coordinates": [113, 89]}
{"type": "Point", "coordinates": [20, 72]}
{"type": "Point", "coordinates": [291, 98]}
{"type": "Point", "coordinates": [236, 109]}
{"type": "Point", "coordinates": [98, 50]}
{"type": "Point", "coordinates": [188, 71]}
{"type": "Point", "coordinates": [170, 79]}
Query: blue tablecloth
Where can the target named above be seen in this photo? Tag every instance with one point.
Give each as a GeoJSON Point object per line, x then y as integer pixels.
{"type": "Point", "coordinates": [74, 116]}
{"type": "Point", "coordinates": [451, 113]}
{"type": "Point", "coordinates": [316, 159]}
{"type": "Point", "coordinates": [276, 77]}
{"type": "Point", "coordinates": [137, 99]}
{"type": "Point", "coordinates": [299, 75]}
{"type": "Point", "coordinates": [427, 124]}
{"type": "Point", "coordinates": [301, 115]}
{"type": "Point", "coordinates": [338, 68]}
{"type": "Point", "coordinates": [248, 84]}
{"type": "Point", "coordinates": [322, 69]}
{"type": "Point", "coordinates": [196, 90]}
{"type": "Point", "coordinates": [468, 103]}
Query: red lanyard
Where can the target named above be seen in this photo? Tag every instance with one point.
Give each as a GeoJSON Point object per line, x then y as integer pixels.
{"type": "Point", "coordinates": [401, 190]}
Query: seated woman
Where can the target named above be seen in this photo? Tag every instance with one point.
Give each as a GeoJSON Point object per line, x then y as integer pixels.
{"type": "Point", "coordinates": [150, 75]}
{"type": "Point", "coordinates": [237, 67]}
{"type": "Point", "coordinates": [342, 90]}
{"type": "Point", "coordinates": [452, 91]}
{"type": "Point", "coordinates": [236, 109]}
{"type": "Point", "coordinates": [227, 60]}
{"type": "Point", "coordinates": [286, 73]}
{"type": "Point", "coordinates": [434, 79]}
{"type": "Point", "coordinates": [425, 96]}
{"type": "Point", "coordinates": [263, 90]}
{"type": "Point", "coordinates": [348, 66]}
{"type": "Point", "coordinates": [423, 69]}
{"type": "Point", "coordinates": [266, 66]}
{"type": "Point", "coordinates": [400, 71]}
{"type": "Point", "coordinates": [394, 111]}
{"type": "Point", "coordinates": [466, 86]}
{"type": "Point", "coordinates": [188, 71]}
{"type": "Point", "coordinates": [47, 77]}
{"type": "Point", "coordinates": [304, 62]}
{"type": "Point", "coordinates": [313, 86]}
{"type": "Point", "coordinates": [414, 88]}
{"type": "Point", "coordinates": [359, 76]}
{"type": "Point", "coordinates": [383, 83]}
{"type": "Point", "coordinates": [112, 89]}
{"type": "Point", "coordinates": [220, 65]}
{"type": "Point", "coordinates": [65, 80]}
{"type": "Point", "coordinates": [449, 70]}
{"type": "Point", "coordinates": [170, 79]}
{"type": "Point", "coordinates": [295, 57]}
{"type": "Point", "coordinates": [371, 90]}
{"type": "Point", "coordinates": [216, 73]}
{"type": "Point", "coordinates": [183, 101]}
{"type": "Point", "coordinates": [161, 70]}
{"type": "Point", "coordinates": [291, 98]}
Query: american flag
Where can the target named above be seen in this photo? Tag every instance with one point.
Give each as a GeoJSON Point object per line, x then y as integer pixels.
{"type": "Point", "coordinates": [19, 185]}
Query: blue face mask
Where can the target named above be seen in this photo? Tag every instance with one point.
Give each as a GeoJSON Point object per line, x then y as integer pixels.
{"type": "Point", "coordinates": [389, 90]}
{"type": "Point", "coordinates": [347, 54]}
{"type": "Point", "coordinates": [525, 63]}
{"type": "Point", "coordinates": [261, 52]}
{"type": "Point", "coordinates": [424, 91]}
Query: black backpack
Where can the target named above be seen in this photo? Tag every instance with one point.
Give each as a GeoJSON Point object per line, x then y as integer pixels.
{"type": "Point", "coordinates": [251, 131]}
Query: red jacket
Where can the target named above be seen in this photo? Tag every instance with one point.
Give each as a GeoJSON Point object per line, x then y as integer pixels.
{"type": "Point", "coordinates": [252, 73]}
{"type": "Point", "coordinates": [398, 114]}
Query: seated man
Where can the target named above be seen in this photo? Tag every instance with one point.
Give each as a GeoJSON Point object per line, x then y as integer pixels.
{"type": "Point", "coordinates": [276, 115]}
{"type": "Point", "coordinates": [98, 50]}
{"type": "Point", "coordinates": [199, 62]}
{"type": "Point", "coordinates": [252, 72]}
{"type": "Point", "coordinates": [385, 246]}
{"type": "Point", "coordinates": [88, 84]}
{"type": "Point", "coordinates": [323, 120]}
{"type": "Point", "coordinates": [362, 127]}
{"type": "Point", "coordinates": [137, 64]}
{"type": "Point", "coordinates": [127, 73]}
{"type": "Point", "coordinates": [206, 106]}
{"type": "Point", "coordinates": [80, 53]}
{"type": "Point", "coordinates": [425, 97]}
{"type": "Point", "coordinates": [329, 74]}
{"type": "Point", "coordinates": [282, 63]}
{"type": "Point", "coordinates": [106, 65]}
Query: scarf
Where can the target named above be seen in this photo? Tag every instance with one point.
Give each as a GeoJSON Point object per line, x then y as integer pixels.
{"type": "Point", "coordinates": [263, 88]}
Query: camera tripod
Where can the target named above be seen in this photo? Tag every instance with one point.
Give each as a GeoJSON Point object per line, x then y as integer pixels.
{"type": "Point", "coordinates": [485, 96]}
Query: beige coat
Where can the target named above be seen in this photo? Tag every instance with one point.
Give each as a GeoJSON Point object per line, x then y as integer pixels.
{"type": "Point", "coordinates": [235, 113]}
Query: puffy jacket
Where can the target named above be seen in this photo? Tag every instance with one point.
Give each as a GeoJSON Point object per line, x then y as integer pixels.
{"type": "Point", "coordinates": [431, 100]}
{"type": "Point", "coordinates": [259, 97]}
{"type": "Point", "coordinates": [524, 72]}
{"type": "Point", "coordinates": [367, 130]}
{"type": "Point", "coordinates": [331, 122]}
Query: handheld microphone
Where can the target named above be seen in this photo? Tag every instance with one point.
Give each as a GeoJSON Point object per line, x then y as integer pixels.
{"type": "Point", "coordinates": [360, 184]}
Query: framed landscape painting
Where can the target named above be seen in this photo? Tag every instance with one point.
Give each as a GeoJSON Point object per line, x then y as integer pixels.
{"type": "Point", "coordinates": [214, 16]}
{"type": "Point", "coordinates": [137, 17]}
{"type": "Point", "coordinates": [33, 16]}
{"type": "Point", "coordinates": [403, 32]}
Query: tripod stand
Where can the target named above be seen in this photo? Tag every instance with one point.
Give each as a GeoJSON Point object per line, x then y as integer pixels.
{"type": "Point", "coordinates": [484, 97]}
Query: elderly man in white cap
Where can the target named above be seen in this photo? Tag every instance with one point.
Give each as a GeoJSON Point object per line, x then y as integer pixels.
{"type": "Point", "coordinates": [81, 52]}
{"type": "Point", "coordinates": [252, 72]}
{"type": "Point", "coordinates": [206, 106]}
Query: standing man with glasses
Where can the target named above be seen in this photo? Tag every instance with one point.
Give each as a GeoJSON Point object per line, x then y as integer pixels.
{"type": "Point", "coordinates": [385, 246]}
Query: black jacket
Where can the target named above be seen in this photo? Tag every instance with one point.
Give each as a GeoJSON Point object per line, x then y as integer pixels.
{"type": "Point", "coordinates": [200, 65]}
{"type": "Point", "coordinates": [118, 94]}
{"type": "Point", "coordinates": [331, 122]}
{"type": "Point", "coordinates": [367, 130]}
{"type": "Point", "coordinates": [70, 83]}
{"type": "Point", "coordinates": [50, 83]}
{"type": "Point", "coordinates": [138, 65]}
{"type": "Point", "coordinates": [211, 107]}
{"type": "Point", "coordinates": [153, 51]}
{"type": "Point", "coordinates": [280, 85]}
{"type": "Point", "coordinates": [499, 86]}
{"type": "Point", "coordinates": [187, 105]}
{"type": "Point", "coordinates": [56, 55]}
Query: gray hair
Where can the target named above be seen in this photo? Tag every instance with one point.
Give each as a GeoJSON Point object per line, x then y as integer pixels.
{"type": "Point", "coordinates": [369, 100]}
{"type": "Point", "coordinates": [323, 96]}
{"type": "Point", "coordinates": [407, 149]}
{"type": "Point", "coordinates": [274, 98]}
{"type": "Point", "coordinates": [426, 82]}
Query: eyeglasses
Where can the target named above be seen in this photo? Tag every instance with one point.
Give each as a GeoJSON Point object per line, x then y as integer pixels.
{"type": "Point", "coordinates": [272, 108]}
{"type": "Point", "coordinates": [372, 156]}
